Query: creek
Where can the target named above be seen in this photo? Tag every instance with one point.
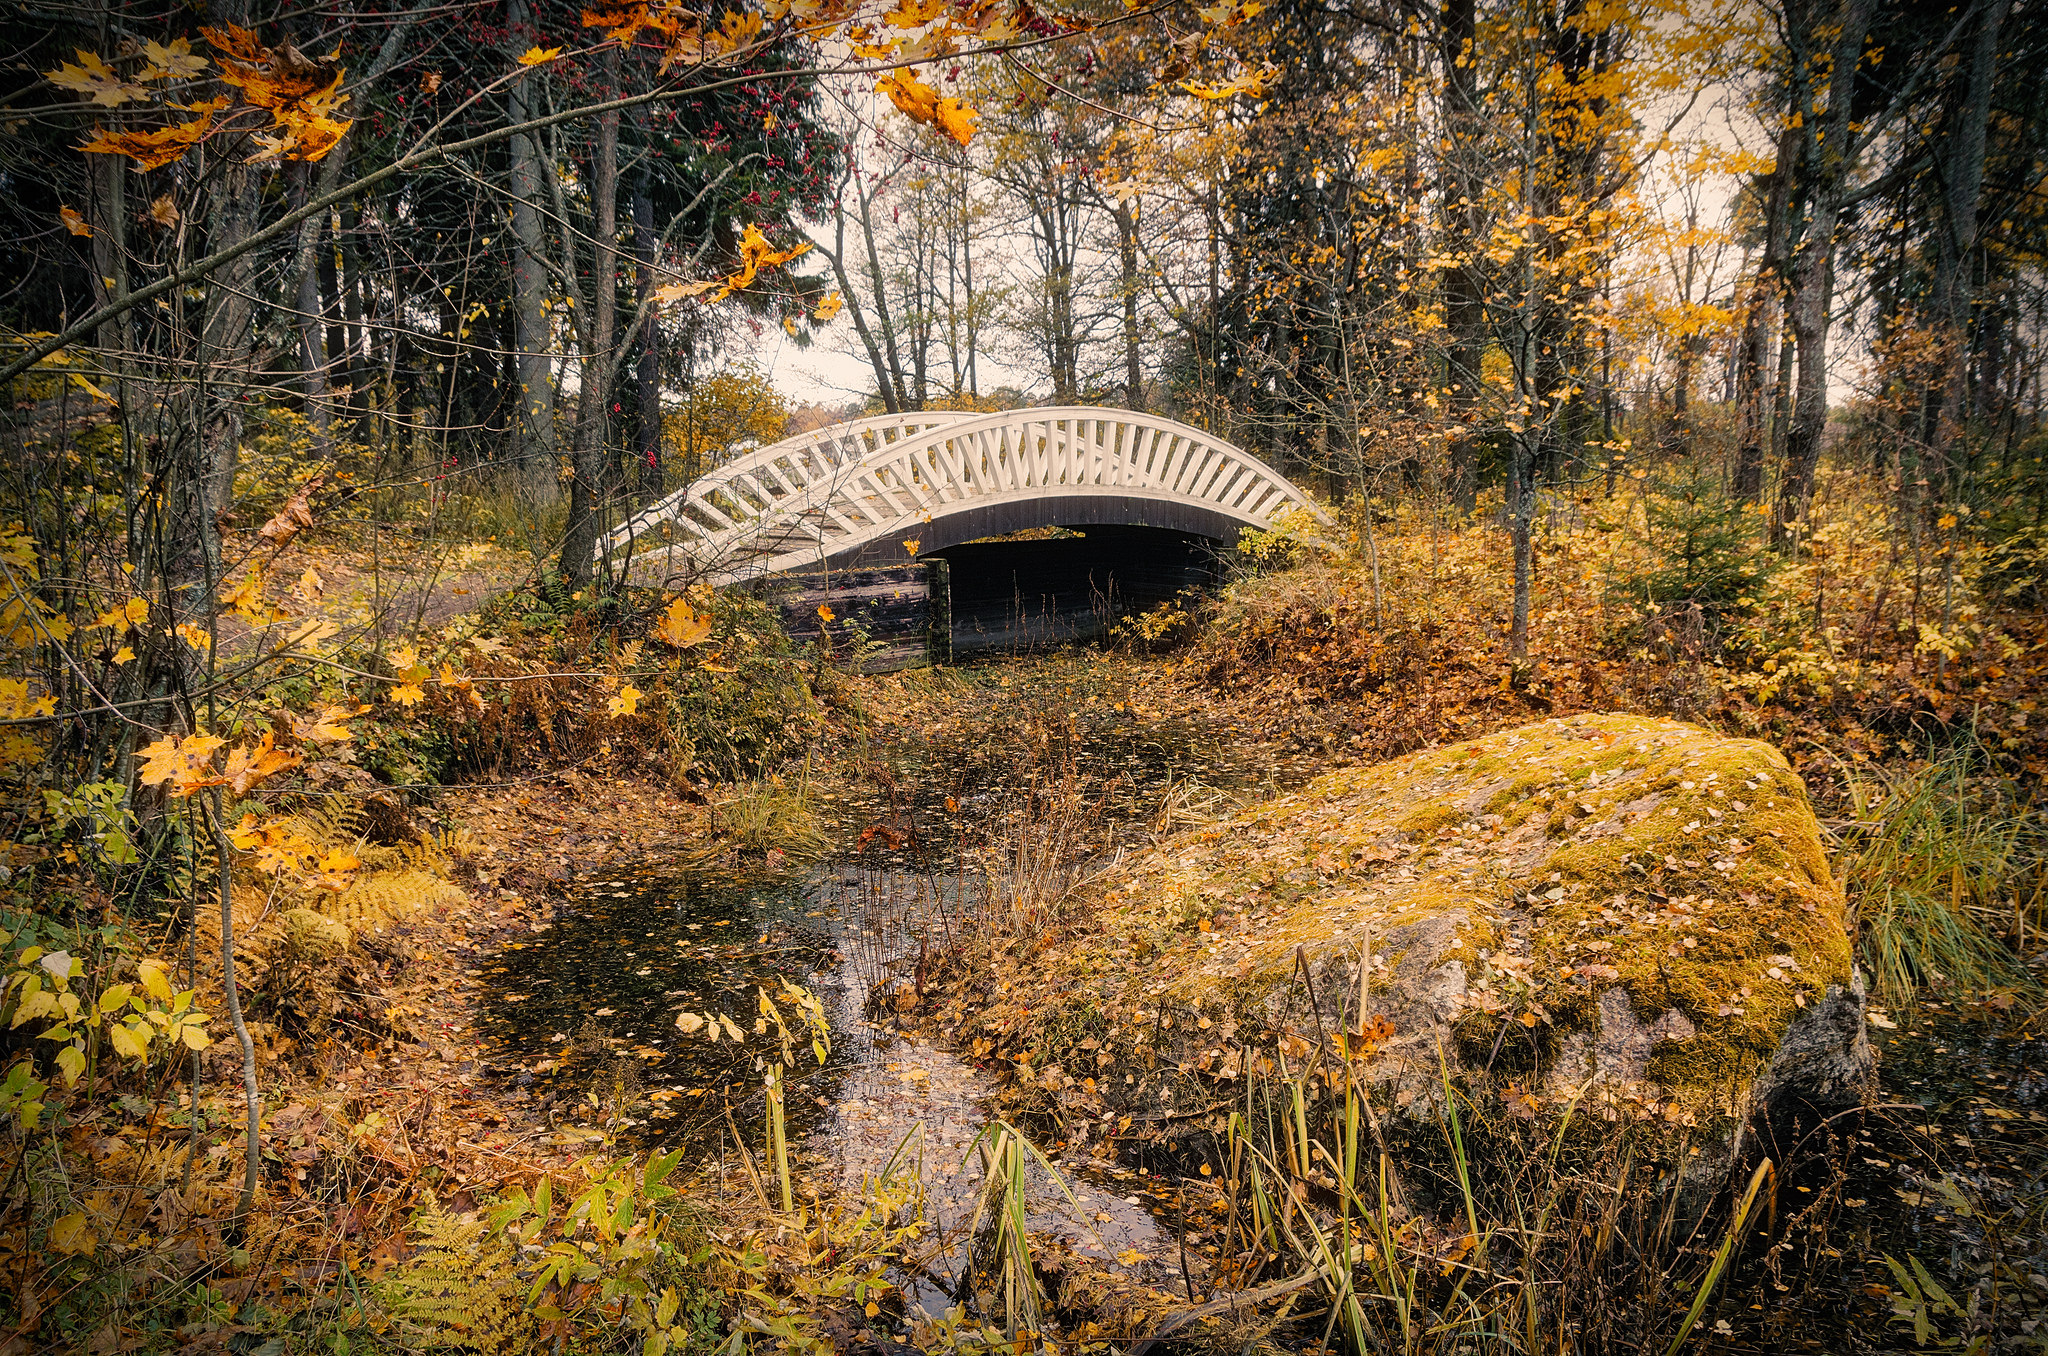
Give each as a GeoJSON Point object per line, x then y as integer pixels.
{"type": "Point", "coordinates": [1949, 1169]}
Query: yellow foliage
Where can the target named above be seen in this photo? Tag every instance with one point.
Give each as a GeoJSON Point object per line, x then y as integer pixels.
{"type": "Point", "coordinates": [921, 103]}
{"type": "Point", "coordinates": [730, 407]}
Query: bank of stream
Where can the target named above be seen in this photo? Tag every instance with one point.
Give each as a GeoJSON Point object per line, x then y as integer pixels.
{"type": "Point", "coordinates": [943, 811]}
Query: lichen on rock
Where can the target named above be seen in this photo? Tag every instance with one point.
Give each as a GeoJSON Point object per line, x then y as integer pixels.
{"type": "Point", "coordinates": [1617, 907]}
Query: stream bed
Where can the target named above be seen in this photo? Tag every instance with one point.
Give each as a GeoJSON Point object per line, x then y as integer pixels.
{"type": "Point", "coordinates": [1949, 1171]}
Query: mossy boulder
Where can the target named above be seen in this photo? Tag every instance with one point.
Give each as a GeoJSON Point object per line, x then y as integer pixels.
{"type": "Point", "coordinates": [1629, 912]}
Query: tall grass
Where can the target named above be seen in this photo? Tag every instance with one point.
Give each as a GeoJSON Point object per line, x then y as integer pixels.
{"type": "Point", "coordinates": [773, 815]}
{"type": "Point", "coordinates": [1470, 1230]}
{"type": "Point", "coordinates": [1944, 870]}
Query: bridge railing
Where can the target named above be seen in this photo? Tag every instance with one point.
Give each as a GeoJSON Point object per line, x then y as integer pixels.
{"type": "Point", "coordinates": [823, 493]}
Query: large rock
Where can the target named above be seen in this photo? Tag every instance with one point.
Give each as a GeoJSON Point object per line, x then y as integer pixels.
{"type": "Point", "coordinates": [1633, 912]}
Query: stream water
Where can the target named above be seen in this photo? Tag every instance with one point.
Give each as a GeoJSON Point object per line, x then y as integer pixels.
{"type": "Point", "coordinates": [1950, 1171]}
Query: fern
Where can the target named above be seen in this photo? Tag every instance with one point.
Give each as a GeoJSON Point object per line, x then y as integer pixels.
{"type": "Point", "coordinates": [461, 1290]}
{"type": "Point", "coordinates": [388, 896]}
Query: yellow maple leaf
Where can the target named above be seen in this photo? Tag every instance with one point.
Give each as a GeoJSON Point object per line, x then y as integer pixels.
{"type": "Point", "coordinates": [914, 13]}
{"type": "Point", "coordinates": [756, 253]}
{"type": "Point", "coordinates": [1253, 83]}
{"type": "Point", "coordinates": [235, 41]}
{"type": "Point", "coordinates": [326, 728]}
{"type": "Point", "coordinates": [195, 636]}
{"type": "Point", "coordinates": [335, 871]}
{"type": "Point", "coordinates": [311, 632]}
{"type": "Point", "coordinates": [311, 586]}
{"type": "Point", "coordinates": [186, 764]}
{"type": "Point", "coordinates": [626, 702]}
{"type": "Point", "coordinates": [669, 292]}
{"type": "Point", "coordinates": [408, 694]}
{"type": "Point", "coordinates": [73, 222]}
{"type": "Point", "coordinates": [681, 625]}
{"type": "Point", "coordinates": [956, 120]}
{"type": "Point", "coordinates": [540, 56]}
{"type": "Point", "coordinates": [910, 545]}
{"type": "Point", "coordinates": [828, 308]}
{"type": "Point", "coordinates": [450, 678]}
{"type": "Point", "coordinates": [825, 613]}
{"type": "Point", "coordinates": [93, 76]}
{"type": "Point", "coordinates": [173, 62]}
{"type": "Point", "coordinates": [621, 25]}
{"type": "Point", "coordinates": [922, 103]}
{"type": "Point", "coordinates": [124, 654]}
{"type": "Point", "coordinates": [73, 1234]}
{"type": "Point", "coordinates": [132, 613]}
{"type": "Point", "coordinates": [910, 94]}
{"type": "Point", "coordinates": [246, 598]}
{"type": "Point", "coordinates": [16, 704]}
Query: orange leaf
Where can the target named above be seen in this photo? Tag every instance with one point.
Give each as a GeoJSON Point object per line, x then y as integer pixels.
{"type": "Point", "coordinates": [914, 13]}
{"type": "Point", "coordinates": [956, 120]}
{"type": "Point", "coordinates": [73, 222]}
{"type": "Point", "coordinates": [248, 766]}
{"type": "Point", "coordinates": [235, 41]}
{"type": "Point", "coordinates": [151, 150]}
{"type": "Point", "coordinates": [296, 513]}
{"type": "Point", "coordinates": [922, 103]}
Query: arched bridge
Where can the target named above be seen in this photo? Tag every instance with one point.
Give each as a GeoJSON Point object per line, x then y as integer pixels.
{"type": "Point", "coordinates": [876, 491]}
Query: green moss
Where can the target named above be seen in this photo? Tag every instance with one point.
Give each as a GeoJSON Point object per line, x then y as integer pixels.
{"type": "Point", "coordinates": [1679, 866]}
{"type": "Point", "coordinates": [1423, 822]}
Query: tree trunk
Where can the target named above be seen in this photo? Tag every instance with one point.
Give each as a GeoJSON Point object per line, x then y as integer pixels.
{"type": "Point", "coordinates": [648, 393]}
{"type": "Point", "coordinates": [1749, 397]}
{"type": "Point", "coordinates": [591, 483]}
{"type": "Point", "coordinates": [357, 369]}
{"type": "Point", "coordinates": [1127, 245]}
{"type": "Point", "coordinates": [1956, 242]}
{"type": "Point", "coordinates": [533, 430]}
{"type": "Point", "coordinates": [1464, 298]}
{"type": "Point", "coordinates": [1824, 163]}
{"type": "Point", "coordinates": [878, 293]}
{"type": "Point", "coordinates": [309, 314]}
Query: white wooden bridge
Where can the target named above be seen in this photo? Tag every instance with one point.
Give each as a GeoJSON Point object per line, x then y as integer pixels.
{"type": "Point", "coordinates": [884, 490]}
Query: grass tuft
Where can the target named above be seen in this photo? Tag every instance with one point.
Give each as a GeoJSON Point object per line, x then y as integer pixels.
{"type": "Point", "coordinates": [1943, 868]}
